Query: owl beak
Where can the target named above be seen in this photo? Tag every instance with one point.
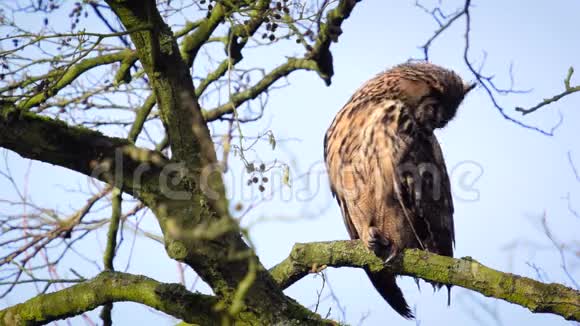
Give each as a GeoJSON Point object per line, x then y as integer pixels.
{"type": "Point", "coordinates": [468, 87]}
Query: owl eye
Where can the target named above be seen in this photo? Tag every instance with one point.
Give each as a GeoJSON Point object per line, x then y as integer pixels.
{"type": "Point", "coordinates": [429, 110]}
{"type": "Point", "coordinates": [428, 104]}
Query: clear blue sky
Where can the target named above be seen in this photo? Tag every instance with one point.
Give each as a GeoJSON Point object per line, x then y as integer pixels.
{"type": "Point", "coordinates": [522, 174]}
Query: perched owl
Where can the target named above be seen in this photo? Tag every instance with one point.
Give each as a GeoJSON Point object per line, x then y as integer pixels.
{"type": "Point", "coordinates": [387, 170]}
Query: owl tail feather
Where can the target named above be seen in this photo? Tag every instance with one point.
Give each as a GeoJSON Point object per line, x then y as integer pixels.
{"type": "Point", "coordinates": [437, 286]}
{"type": "Point", "coordinates": [387, 286]}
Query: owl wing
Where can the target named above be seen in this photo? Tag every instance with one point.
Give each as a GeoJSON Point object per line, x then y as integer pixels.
{"type": "Point", "coordinates": [447, 208]}
{"type": "Point", "coordinates": [346, 216]}
{"type": "Point", "coordinates": [341, 202]}
{"type": "Point", "coordinates": [423, 190]}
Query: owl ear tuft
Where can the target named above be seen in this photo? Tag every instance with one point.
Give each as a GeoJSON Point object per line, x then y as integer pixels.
{"type": "Point", "coordinates": [467, 87]}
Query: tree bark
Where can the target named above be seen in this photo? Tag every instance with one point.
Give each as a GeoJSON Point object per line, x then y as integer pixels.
{"type": "Point", "coordinates": [465, 272]}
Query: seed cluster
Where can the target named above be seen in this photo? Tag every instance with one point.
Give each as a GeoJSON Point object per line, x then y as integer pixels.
{"type": "Point", "coordinates": [76, 13]}
{"type": "Point", "coordinates": [274, 15]}
{"type": "Point", "coordinates": [210, 5]}
{"type": "Point", "coordinates": [257, 175]}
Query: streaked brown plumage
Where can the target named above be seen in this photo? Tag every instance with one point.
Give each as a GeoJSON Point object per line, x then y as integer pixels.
{"type": "Point", "coordinates": [386, 168]}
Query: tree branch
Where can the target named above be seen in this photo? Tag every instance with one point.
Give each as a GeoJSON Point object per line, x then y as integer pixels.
{"type": "Point", "coordinates": [238, 37]}
{"type": "Point", "coordinates": [193, 42]}
{"type": "Point", "coordinates": [112, 160]}
{"type": "Point", "coordinates": [238, 99]}
{"type": "Point", "coordinates": [58, 79]}
{"type": "Point", "coordinates": [111, 247]}
{"type": "Point", "coordinates": [72, 71]}
{"type": "Point", "coordinates": [170, 80]}
{"type": "Point", "coordinates": [465, 272]}
{"type": "Point", "coordinates": [567, 91]}
{"type": "Point", "coordinates": [318, 59]}
{"type": "Point", "coordinates": [197, 228]}
{"type": "Point", "coordinates": [108, 287]}
{"type": "Point", "coordinates": [328, 33]}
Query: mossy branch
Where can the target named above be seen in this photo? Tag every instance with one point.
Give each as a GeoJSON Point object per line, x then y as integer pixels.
{"type": "Point", "coordinates": [141, 117]}
{"type": "Point", "coordinates": [238, 37]}
{"type": "Point", "coordinates": [111, 248]}
{"type": "Point", "coordinates": [328, 33]}
{"type": "Point", "coordinates": [116, 211]}
{"type": "Point", "coordinates": [175, 300]}
{"type": "Point", "coordinates": [192, 146]}
{"type": "Point", "coordinates": [112, 160]}
{"type": "Point", "coordinates": [58, 79]}
{"type": "Point", "coordinates": [238, 99]}
{"type": "Point", "coordinates": [318, 59]}
{"type": "Point", "coordinates": [109, 287]}
{"type": "Point", "coordinates": [105, 59]}
{"type": "Point", "coordinates": [465, 272]}
{"type": "Point", "coordinates": [191, 43]}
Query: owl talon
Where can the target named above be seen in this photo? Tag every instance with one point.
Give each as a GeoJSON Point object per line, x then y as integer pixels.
{"type": "Point", "coordinates": [377, 241]}
{"type": "Point", "coordinates": [380, 244]}
{"type": "Point", "coordinates": [392, 255]}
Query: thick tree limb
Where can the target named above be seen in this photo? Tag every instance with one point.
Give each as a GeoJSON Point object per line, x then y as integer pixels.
{"type": "Point", "coordinates": [108, 287]}
{"type": "Point", "coordinates": [112, 160]}
{"type": "Point", "coordinates": [304, 259]}
{"type": "Point", "coordinates": [197, 228]}
{"type": "Point", "coordinates": [170, 80]}
{"type": "Point", "coordinates": [465, 272]}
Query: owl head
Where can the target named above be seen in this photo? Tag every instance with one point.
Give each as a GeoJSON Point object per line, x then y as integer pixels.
{"type": "Point", "coordinates": [432, 93]}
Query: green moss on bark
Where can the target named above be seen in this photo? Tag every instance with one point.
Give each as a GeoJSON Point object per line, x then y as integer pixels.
{"type": "Point", "coordinates": [466, 272]}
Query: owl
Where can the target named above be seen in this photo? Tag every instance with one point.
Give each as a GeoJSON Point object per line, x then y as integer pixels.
{"type": "Point", "coordinates": [386, 168]}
